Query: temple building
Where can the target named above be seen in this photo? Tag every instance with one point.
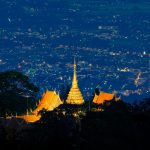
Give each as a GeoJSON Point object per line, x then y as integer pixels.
{"type": "Point", "coordinates": [50, 100]}
{"type": "Point", "coordinates": [103, 96]}
{"type": "Point", "coordinates": [30, 118]}
{"type": "Point", "coordinates": [75, 96]}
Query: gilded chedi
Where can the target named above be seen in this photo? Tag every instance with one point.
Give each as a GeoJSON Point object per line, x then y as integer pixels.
{"type": "Point", "coordinates": [75, 96]}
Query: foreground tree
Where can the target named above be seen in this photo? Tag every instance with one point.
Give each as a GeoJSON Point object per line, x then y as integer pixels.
{"type": "Point", "coordinates": [16, 92]}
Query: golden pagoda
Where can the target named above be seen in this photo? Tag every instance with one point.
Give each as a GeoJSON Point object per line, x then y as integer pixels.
{"type": "Point", "coordinates": [75, 96]}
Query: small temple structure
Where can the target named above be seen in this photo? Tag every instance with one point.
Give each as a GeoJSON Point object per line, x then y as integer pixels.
{"type": "Point", "coordinates": [75, 96]}
{"type": "Point", "coordinates": [103, 96]}
{"type": "Point", "coordinates": [50, 100]}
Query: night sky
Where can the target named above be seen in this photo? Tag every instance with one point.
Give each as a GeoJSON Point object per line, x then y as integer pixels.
{"type": "Point", "coordinates": [109, 38]}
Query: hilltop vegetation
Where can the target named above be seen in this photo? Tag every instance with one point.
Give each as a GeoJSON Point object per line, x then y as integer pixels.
{"type": "Point", "coordinates": [17, 94]}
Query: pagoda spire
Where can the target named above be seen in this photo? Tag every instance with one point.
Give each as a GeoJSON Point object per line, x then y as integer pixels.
{"type": "Point", "coordinates": [75, 95]}
{"type": "Point", "coordinates": [75, 82]}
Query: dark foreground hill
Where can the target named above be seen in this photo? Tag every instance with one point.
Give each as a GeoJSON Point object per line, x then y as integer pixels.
{"type": "Point", "coordinates": [118, 126]}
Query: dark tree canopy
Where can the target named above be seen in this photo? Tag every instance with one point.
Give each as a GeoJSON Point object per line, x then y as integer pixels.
{"type": "Point", "coordinates": [16, 92]}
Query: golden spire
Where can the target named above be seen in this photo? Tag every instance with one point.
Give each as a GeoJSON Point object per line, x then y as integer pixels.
{"type": "Point", "coordinates": [75, 82]}
{"type": "Point", "coordinates": [75, 96]}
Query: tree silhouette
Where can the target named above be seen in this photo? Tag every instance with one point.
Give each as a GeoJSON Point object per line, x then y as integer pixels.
{"type": "Point", "coordinates": [16, 92]}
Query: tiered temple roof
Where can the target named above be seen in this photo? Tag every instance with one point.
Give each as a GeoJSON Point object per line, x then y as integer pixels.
{"type": "Point", "coordinates": [30, 118]}
{"type": "Point", "coordinates": [50, 100]}
{"type": "Point", "coordinates": [103, 96]}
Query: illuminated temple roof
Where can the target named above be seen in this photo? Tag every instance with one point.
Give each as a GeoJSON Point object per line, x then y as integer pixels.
{"type": "Point", "coordinates": [30, 118]}
{"type": "Point", "coordinates": [75, 96]}
{"type": "Point", "coordinates": [50, 100]}
{"type": "Point", "coordinates": [103, 96]}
